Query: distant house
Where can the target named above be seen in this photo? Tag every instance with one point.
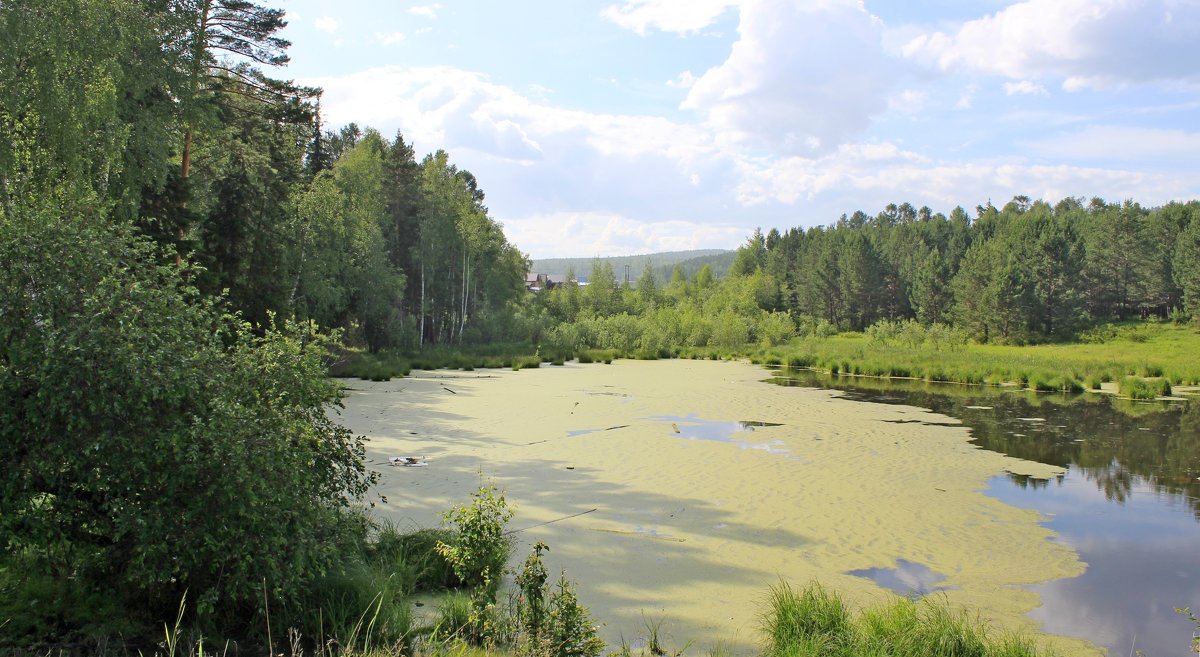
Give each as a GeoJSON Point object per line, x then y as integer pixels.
{"type": "Point", "coordinates": [537, 282]}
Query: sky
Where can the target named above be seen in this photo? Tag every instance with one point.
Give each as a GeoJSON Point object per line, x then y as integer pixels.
{"type": "Point", "coordinates": [619, 127]}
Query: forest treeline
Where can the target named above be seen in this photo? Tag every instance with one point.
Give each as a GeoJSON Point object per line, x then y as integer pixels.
{"type": "Point", "coordinates": [168, 125]}
{"type": "Point", "coordinates": [1027, 272]}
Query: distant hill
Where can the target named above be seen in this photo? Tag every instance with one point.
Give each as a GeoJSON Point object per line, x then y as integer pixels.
{"type": "Point", "coordinates": [663, 263]}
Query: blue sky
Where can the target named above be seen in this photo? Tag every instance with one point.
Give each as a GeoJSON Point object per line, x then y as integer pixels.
{"type": "Point", "coordinates": [620, 127]}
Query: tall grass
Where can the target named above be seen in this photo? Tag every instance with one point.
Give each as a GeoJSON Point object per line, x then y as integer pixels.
{"type": "Point", "coordinates": [1161, 350]}
{"type": "Point", "coordinates": [1135, 387]}
{"type": "Point", "coordinates": [815, 622]}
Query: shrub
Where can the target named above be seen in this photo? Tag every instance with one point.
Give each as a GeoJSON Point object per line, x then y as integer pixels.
{"type": "Point", "coordinates": [552, 622]}
{"type": "Point", "coordinates": [775, 329]}
{"type": "Point", "coordinates": [154, 444]}
{"type": "Point", "coordinates": [478, 549]}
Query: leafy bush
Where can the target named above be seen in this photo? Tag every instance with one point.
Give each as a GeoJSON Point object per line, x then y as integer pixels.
{"type": "Point", "coordinates": [775, 329]}
{"type": "Point", "coordinates": [552, 622]}
{"type": "Point", "coordinates": [478, 549]}
{"type": "Point", "coordinates": [153, 444]}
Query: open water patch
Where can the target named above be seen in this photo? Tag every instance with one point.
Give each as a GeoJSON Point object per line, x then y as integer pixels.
{"type": "Point", "coordinates": [691, 427]}
{"type": "Point", "coordinates": [909, 578]}
{"type": "Point", "coordinates": [584, 432]}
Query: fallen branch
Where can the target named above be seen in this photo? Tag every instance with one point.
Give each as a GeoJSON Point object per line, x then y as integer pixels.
{"type": "Point", "coordinates": [549, 522]}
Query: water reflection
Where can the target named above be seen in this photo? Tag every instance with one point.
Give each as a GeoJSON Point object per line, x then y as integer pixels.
{"type": "Point", "coordinates": [1129, 502]}
{"type": "Point", "coordinates": [1113, 443]}
{"type": "Point", "coordinates": [908, 578]}
{"type": "Point", "coordinates": [1142, 562]}
{"type": "Point", "coordinates": [692, 427]}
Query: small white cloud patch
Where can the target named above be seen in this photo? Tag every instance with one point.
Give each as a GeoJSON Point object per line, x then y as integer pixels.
{"type": "Point", "coordinates": [1025, 88]}
{"type": "Point", "coordinates": [389, 39]}
{"type": "Point", "coordinates": [425, 11]}
{"type": "Point", "coordinates": [326, 24]}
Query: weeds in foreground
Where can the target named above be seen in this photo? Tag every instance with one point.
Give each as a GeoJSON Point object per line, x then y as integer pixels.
{"type": "Point", "coordinates": [1191, 615]}
{"type": "Point", "coordinates": [816, 622]}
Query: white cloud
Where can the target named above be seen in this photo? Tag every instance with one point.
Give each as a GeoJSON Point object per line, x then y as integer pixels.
{"type": "Point", "coordinates": [909, 101]}
{"type": "Point", "coordinates": [389, 39]}
{"type": "Point", "coordinates": [425, 11]}
{"type": "Point", "coordinates": [602, 234]}
{"type": "Point", "coordinates": [1091, 43]}
{"type": "Point", "coordinates": [803, 77]}
{"type": "Point", "coordinates": [681, 16]}
{"type": "Point", "coordinates": [326, 24]}
{"type": "Point", "coordinates": [1024, 88]}
{"type": "Point", "coordinates": [1125, 143]}
{"type": "Point", "coordinates": [573, 182]}
{"type": "Point", "coordinates": [857, 177]}
{"type": "Point", "coordinates": [580, 160]}
{"type": "Point", "coordinates": [686, 80]}
{"type": "Point", "coordinates": [967, 98]}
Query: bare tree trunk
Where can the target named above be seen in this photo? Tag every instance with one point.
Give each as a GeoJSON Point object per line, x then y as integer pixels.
{"type": "Point", "coordinates": [296, 282]}
{"type": "Point", "coordinates": [421, 314]}
{"type": "Point", "coordinates": [462, 316]}
{"type": "Point", "coordinates": [185, 167]}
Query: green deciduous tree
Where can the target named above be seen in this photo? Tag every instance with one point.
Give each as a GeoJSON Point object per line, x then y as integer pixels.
{"type": "Point", "coordinates": [152, 443]}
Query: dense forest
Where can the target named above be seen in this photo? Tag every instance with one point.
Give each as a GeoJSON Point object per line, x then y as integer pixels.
{"type": "Point", "coordinates": [180, 241]}
{"type": "Point", "coordinates": [231, 170]}
{"type": "Point", "coordinates": [1027, 272]}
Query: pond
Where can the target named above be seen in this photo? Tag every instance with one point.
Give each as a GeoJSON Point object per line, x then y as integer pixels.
{"type": "Point", "coordinates": [1129, 501]}
{"type": "Point", "coordinates": [676, 493]}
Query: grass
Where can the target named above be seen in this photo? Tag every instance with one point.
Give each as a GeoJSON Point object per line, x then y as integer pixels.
{"type": "Point", "coordinates": [817, 622]}
{"type": "Point", "coordinates": [1145, 351]}
{"type": "Point", "coordinates": [1135, 387]}
{"type": "Point", "coordinates": [1159, 354]}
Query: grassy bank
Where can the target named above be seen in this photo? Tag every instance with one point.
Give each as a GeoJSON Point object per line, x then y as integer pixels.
{"type": "Point", "coordinates": [1145, 360]}
{"type": "Point", "coordinates": [1139, 360]}
{"type": "Point", "coordinates": [386, 365]}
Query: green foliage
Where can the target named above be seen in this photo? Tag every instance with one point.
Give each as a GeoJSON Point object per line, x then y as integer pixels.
{"type": "Point", "coordinates": [360, 603]}
{"type": "Point", "coordinates": [1185, 611]}
{"type": "Point", "coordinates": [532, 609]}
{"type": "Point", "coordinates": [944, 356]}
{"type": "Point", "coordinates": [1136, 387]}
{"type": "Point", "coordinates": [1186, 266]}
{"type": "Point", "coordinates": [818, 622]}
{"type": "Point", "coordinates": [479, 548]}
{"type": "Point", "coordinates": [570, 632]}
{"type": "Point", "coordinates": [412, 559]}
{"type": "Point", "coordinates": [813, 617]}
{"type": "Point", "coordinates": [552, 622]}
{"type": "Point", "coordinates": [155, 445]}
{"type": "Point", "coordinates": [454, 616]}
